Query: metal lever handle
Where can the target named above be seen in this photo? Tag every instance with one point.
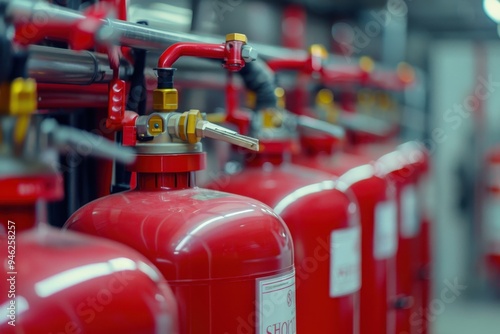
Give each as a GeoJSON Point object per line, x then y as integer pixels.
{"type": "Point", "coordinates": [209, 130]}
{"type": "Point", "coordinates": [322, 126]}
{"type": "Point", "coordinates": [64, 137]}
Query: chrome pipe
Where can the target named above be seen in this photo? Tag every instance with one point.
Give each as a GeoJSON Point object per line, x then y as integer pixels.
{"type": "Point", "coordinates": [123, 32]}
{"type": "Point", "coordinates": [63, 66]}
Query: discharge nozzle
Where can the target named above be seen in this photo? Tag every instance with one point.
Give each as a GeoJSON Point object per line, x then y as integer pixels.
{"type": "Point", "coordinates": [188, 127]}
{"type": "Point", "coordinates": [206, 129]}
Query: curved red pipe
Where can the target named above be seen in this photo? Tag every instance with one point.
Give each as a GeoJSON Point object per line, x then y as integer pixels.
{"type": "Point", "coordinates": [177, 50]}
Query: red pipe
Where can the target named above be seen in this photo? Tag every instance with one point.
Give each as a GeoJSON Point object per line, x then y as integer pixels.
{"type": "Point", "coordinates": [290, 64]}
{"type": "Point", "coordinates": [177, 50]}
{"type": "Point", "coordinates": [229, 52]}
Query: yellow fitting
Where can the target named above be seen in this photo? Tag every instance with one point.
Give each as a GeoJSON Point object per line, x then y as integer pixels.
{"type": "Point", "coordinates": [325, 101]}
{"type": "Point", "coordinates": [280, 97]}
{"type": "Point", "coordinates": [187, 126]}
{"type": "Point", "coordinates": [251, 99]}
{"type": "Point", "coordinates": [182, 126]}
{"type": "Point", "coordinates": [318, 50]}
{"type": "Point", "coordinates": [165, 99]}
{"type": "Point", "coordinates": [366, 64]}
{"type": "Point", "coordinates": [19, 98]}
{"type": "Point", "coordinates": [324, 97]}
{"type": "Point", "coordinates": [193, 116]}
{"type": "Point", "coordinates": [236, 37]}
{"type": "Point", "coordinates": [156, 125]}
{"type": "Point", "coordinates": [384, 101]}
{"type": "Point", "coordinates": [217, 118]}
{"type": "Point", "coordinates": [271, 118]}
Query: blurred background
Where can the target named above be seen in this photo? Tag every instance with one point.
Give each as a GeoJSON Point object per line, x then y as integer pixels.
{"type": "Point", "coordinates": [455, 48]}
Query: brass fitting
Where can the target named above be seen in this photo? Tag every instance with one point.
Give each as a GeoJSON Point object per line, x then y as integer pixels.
{"type": "Point", "coordinates": [271, 118]}
{"type": "Point", "coordinates": [165, 99]}
{"type": "Point", "coordinates": [318, 50]}
{"type": "Point", "coordinates": [324, 97]}
{"type": "Point", "coordinates": [18, 97]}
{"type": "Point", "coordinates": [236, 37]}
{"type": "Point", "coordinates": [280, 97]}
{"type": "Point", "coordinates": [251, 99]}
{"type": "Point", "coordinates": [187, 126]}
{"type": "Point", "coordinates": [217, 118]}
{"type": "Point", "coordinates": [325, 101]}
{"type": "Point", "coordinates": [366, 64]}
{"type": "Point", "coordinates": [156, 125]}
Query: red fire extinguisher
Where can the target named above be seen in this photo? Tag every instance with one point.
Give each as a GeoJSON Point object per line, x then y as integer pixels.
{"type": "Point", "coordinates": [417, 156]}
{"type": "Point", "coordinates": [318, 210]}
{"type": "Point", "coordinates": [228, 258]}
{"type": "Point", "coordinates": [377, 211]}
{"type": "Point", "coordinates": [55, 282]}
{"type": "Point", "coordinates": [408, 166]}
{"type": "Point", "coordinates": [405, 167]}
{"type": "Point", "coordinates": [491, 229]}
{"type": "Point", "coordinates": [373, 192]}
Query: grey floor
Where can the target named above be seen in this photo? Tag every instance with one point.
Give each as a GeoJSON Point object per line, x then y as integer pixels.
{"type": "Point", "coordinates": [467, 317]}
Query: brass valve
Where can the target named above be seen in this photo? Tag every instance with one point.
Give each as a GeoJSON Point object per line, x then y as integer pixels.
{"type": "Point", "coordinates": [165, 99]}
{"type": "Point", "coordinates": [236, 37]}
{"type": "Point", "coordinates": [19, 98]}
{"type": "Point", "coordinates": [188, 127]}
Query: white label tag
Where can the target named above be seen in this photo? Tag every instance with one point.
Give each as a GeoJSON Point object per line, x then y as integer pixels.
{"type": "Point", "coordinates": [410, 214]}
{"type": "Point", "coordinates": [492, 225]}
{"type": "Point", "coordinates": [385, 242]}
{"type": "Point", "coordinates": [345, 261]}
{"type": "Point", "coordinates": [276, 304]}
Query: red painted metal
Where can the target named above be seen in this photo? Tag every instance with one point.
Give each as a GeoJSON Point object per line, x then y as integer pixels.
{"type": "Point", "coordinates": [52, 96]}
{"type": "Point", "coordinates": [418, 158]}
{"type": "Point", "coordinates": [377, 212]}
{"type": "Point", "coordinates": [230, 52]}
{"type": "Point", "coordinates": [20, 193]}
{"type": "Point", "coordinates": [172, 163]}
{"type": "Point", "coordinates": [491, 216]}
{"type": "Point", "coordinates": [405, 167]}
{"type": "Point", "coordinates": [116, 103]}
{"type": "Point", "coordinates": [293, 27]}
{"type": "Point", "coordinates": [390, 80]}
{"type": "Point", "coordinates": [69, 283]}
{"type": "Point", "coordinates": [345, 75]}
{"type": "Point", "coordinates": [79, 34]}
{"type": "Point", "coordinates": [213, 248]}
{"type": "Point", "coordinates": [315, 208]}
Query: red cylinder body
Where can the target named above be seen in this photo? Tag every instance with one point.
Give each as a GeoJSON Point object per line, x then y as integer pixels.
{"type": "Point", "coordinates": [69, 283]}
{"type": "Point", "coordinates": [377, 212]}
{"type": "Point", "coordinates": [323, 222]}
{"type": "Point", "coordinates": [403, 167]}
{"type": "Point", "coordinates": [228, 258]}
{"type": "Point", "coordinates": [492, 215]}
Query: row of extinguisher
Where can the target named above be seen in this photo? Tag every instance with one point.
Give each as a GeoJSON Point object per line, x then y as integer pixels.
{"type": "Point", "coordinates": [320, 229]}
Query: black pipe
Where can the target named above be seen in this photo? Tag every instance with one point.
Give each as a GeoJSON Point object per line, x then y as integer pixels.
{"type": "Point", "coordinates": [259, 78]}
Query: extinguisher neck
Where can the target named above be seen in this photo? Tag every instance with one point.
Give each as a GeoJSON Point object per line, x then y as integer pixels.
{"type": "Point", "coordinates": [165, 181]}
{"type": "Point", "coordinates": [20, 217]}
{"type": "Point", "coordinates": [262, 159]}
